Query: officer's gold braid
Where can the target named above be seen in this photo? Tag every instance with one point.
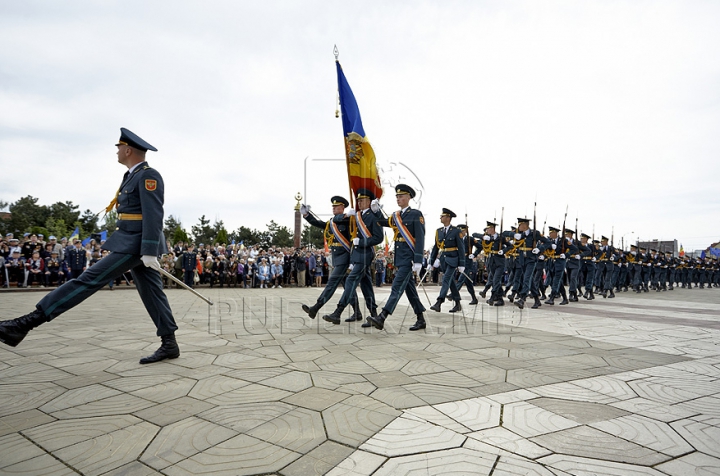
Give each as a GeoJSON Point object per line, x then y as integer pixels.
{"type": "Point", "coordinates": [113, 203]}
{"type": "Point", "coordinates": [487, 248]}
{"type": "Point", "coordinates": [353, 227]}
{"type": "Point", "coordinates": [329, 237]}
{"type": "Point", "coordinates": [518, 244]}
{"type": "Point", "coordinates": [395, 229]}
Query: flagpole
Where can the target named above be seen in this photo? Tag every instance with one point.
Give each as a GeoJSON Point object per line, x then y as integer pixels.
{"type": "Point", "coordinates": [347, 157]}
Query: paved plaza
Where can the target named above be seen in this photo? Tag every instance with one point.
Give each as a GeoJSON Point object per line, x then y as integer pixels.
{"type": "Point", "coordinates": [624, 386]}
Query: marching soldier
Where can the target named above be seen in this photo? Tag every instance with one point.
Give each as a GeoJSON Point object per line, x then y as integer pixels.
{"type": "Point", "coordinates": [339, 240]}
{"type": "Point", "coordinates": [493, 245]}
{"type": "Point", "coordinates": [409, 227]}
{"type": "Point", "coordinates": [466, 278]}
{"type": "Point", "coordinates": [646, 269]}
{"type": "Point", "coordinates": [560, 249]}
{"type": "Point", "coordinates": [573, 263]}
{"type": "Point", "coordinates": [369, 234]}
{"type": "Point", "coordinates": [530, 244]}
{"type": "Point", "coordinates": [135, 246]}
{"type": "Point", "coordinates": [606, 268]}
{"type": "Point", "coordinates": [448, 254]}
{"type": "Point", "coordinates": [588, 265]}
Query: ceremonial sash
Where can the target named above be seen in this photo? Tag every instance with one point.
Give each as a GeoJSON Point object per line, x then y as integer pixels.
{"type": "Point", "coordinates": [364, 231]}
{"type": "Point", "coordinates": [402, 229]}
{"type": "Point", "coordinates": [339, 236]}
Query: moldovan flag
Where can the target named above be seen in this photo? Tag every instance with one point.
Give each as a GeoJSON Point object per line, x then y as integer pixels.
{"type": "Point", "coordinates": [358, 151]}
{"type": "Point", "coordinates": [75, 235]}
{"type": "Point", "coordinates": [682, 251]}
{"type": "Point", "coordinates": [387, 245]}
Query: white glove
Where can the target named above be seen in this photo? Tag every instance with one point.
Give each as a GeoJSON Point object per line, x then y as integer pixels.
{"type": "Point", "coordinates": [416, 268]}
{"type": "Point", "coordinates": [535, 251]}
{"type": "Point", "coordinates": [304, 209]}
{"type": "Point", "coordinates": [577, 256]}
{"type": "Point", "coordinates": [553, 246]}
{"type": "Point", "coordinates": [461, 269]}
{"type": "Point", "coordinates": [375, 206]}
{"type": "Point", "coordinates": [486, 238]}
{"type": "Point", "coordinates": [625, 264]}
{"type": "Point", "coordinates": [351, 267]}
{"type": "Point", "coordinates": [512, 242]}
{"type": "Point", "coordinates": [541, 257]}
{"type": "Point", "coordinates": [356, 241]}
{"type": "Point", "coordinates": [594, 259]}
{"type": "Point", "coordinates": [634, 253]}
{"type": "Point", "coordinates": [612, 258]}
{"type": "Point", "coordinates": [150, 262]}
{"type": "Point", "coordinates": [472, 256]}
{"type": "Point", "coordinates": [562, 255]}
{"type": "Point", "coordinates": [517, 236]}
{"type": "Point", "coordinates": [501, 252]}
{"type": "Point", "coordinates": [436, 264]}
{"type": "Point", "coordinates": [349, 211]}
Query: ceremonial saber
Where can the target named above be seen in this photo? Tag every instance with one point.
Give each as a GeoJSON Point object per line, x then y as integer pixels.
{"type": "Point", "coordinates": [185, 286]}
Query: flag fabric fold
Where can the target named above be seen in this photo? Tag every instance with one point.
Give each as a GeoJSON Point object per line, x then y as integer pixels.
{"type": "Point", "coordinates": [75, 235]}
{"type": "Point", "coordinates": [360, 156]}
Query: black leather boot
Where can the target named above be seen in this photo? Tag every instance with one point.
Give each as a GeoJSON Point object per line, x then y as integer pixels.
{"type": "Point", "coordinates": [378, 322]}
{"type": "Point", "coordinates": [592, 296]}
{"type": "Point", "coordinates": [474, 300]}
{"type": "Point", "coordinates": [312, 311]}
{"type": "Point", "coordinates": [536, 304]}
{"type": "Point", "coordinates": [357, 315]}
{"type": "Point", "coordinates": [14, 331]}
{"type": "Point", "coordinates": [457, 307]}
{"type": "Point", "coordinates": [587, 295]}
{"type": "Point", "coordinates": [373, 313]}
{"type": "Point", "coordinates": [551, 301]}
{"type": "Point", "coordinates": [499, 301]}
{"type": "Point", "coordinates": [420, 323]}
{"type": "Point", "coordinates": [436, 307]}
{"type": "Point", "coordinates": [483, 293]}
{"type": "Point", "coordinates": [520, 303]}
{"type": "Point", "coordinates": [564, 301]}
{"type": "Point", "coordinates": [335, 316]}
{"type": "Point", "coordinates": [168, 350]}
{"type": "Point", "coordinates": [612, 294]}
{"type": "Point", "coordinates": [511, 297]}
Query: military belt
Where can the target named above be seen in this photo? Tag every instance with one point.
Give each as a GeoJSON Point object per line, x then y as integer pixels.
{"type": "Point", "coordinates": [587, 257]}
{"type": "Point", "coordinates": [450, 249]}
{"type": "Point", "coordinates": [402, 240]}
{"type": "Point", "coordinates": [525, 248]}
{"type": "Point", "coordinates": [130, 216]}
{"type": "Point", "coordinates": [336, 244]}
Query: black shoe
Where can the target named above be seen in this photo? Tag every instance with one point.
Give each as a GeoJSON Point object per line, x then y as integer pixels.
{"type": "Point", "coordinates": [474, 301]}
{"type": "Point", "coordinates": [373, 313]}
{"type": "Point", "coordinates": [14, 331]}
{"type": "Point", "coordinates": [483, 293]}
{"type": "Point", "coordinates": [311, 311]}
{"type": "Point", "coordinates": [499, 302]}
{"type": "Point", "coordinates": [457, 307]}
{"type": "Point", "coordinates": [436, 307]}
{"type": "Point", "coordinates": [551, 301]}
{"type": "Point", "coordinates": [378, 322]}
{"type": "Point", "coordinates": [537, 303]}
{"type": "Point", "coordinates": [168, 350]}
{"type": "Point", "coordinates": [543, 297]}
{"type": "Point", "coordinates": [419, 324]}
{"type": "Point", "coordinates": [335, 316]}
{"type": "Point", "coordinates": [612, 294]}
{"type": "Point", "coordinates": [564, 301]}
{"type": "Point", "coordinates": [511, 297]}
{"type": "Point", "coordinates": [587, 295]}
{"type": "Point", "coordinates": [520, 303]}
{"type": "Point", "coordinates": [604, 294]}
{"type": "Point", "coordinates": [357, 316]}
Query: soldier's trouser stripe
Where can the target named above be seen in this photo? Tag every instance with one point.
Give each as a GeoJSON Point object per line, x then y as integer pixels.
{"type": "Point", "coordinates": [95, 277]}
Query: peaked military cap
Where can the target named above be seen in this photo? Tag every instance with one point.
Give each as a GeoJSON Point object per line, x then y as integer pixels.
{"type": "Point", "coordinates": [584, 235]}
{"type": "Point", "coordinates": [402, 189]}
{"type": "Point", "coordinates": [448, 212]}
{"type": "Point", "coordinates": [523, 220]}
{"type": "Point", "coordinates": [513, 228]}
{"type": "Point", "coordinates": [365, 193]}
{"type": "Point", "coordinates": [128, 137]}
{"type": "Point", "coordinates": [653, 250]}
{"type": "Point", "coordinates": [338, 200]}
{"type": "Point", "coordinates": [568, 230]}
{"type": "Point", "coordinates": [605, 238]}
{"type": "Point", "coordinates": [552, 228]}
{"type": "Point", "coordinates": [633, 246]}
{"type": "Point", "coordinates": [642, 248]}
{"type": "Point", "coordinates": [596, 241]}
{"type": "Point", "coordinates": [462, 227]}
{"type": "Point", "coordinates": [489, 224]}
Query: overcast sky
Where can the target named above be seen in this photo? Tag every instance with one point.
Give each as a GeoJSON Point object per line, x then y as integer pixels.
{"type": "Point", "coordinates": [610, 107]}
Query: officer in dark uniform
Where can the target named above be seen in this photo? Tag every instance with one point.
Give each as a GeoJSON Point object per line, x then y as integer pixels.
{"type": "Point", "coordinates": [530, 244]}
{"type": "Point", "coordinates": [448, 254]}
{"type": "Point", "coordinates": [588, 252]}
{"type": "Point", "coordinates": [493, 245]}
{"type": "Point", "coordinates": [573, 264]}
{"type": "Point", "coordinates": [646, 262]}
{"type": "Point", "coordinates": [408, 225]}
{"type": "Point", "coordinates": [189, 264]}
{"type": "Point", "coordinates": [369, 234]}
{"type": "Point", "coordinates": [468, 277]}
{"type": "Point", "coordinates": [135, 246]}
{"type": "Point", "coordinates": [558, 252]}
{"type": "Point", "coordinates": [339, 240]}
{"type": "Point", "coordinates": [76, 260]}
{"type": "Point", "coordinates": [606, 267]}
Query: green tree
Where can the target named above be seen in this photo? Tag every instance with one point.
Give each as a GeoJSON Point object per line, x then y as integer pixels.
{"type": "Point", "coordinates": [89, 222]}
{"type": "Point", "coordinates": [222, 236]}
{"type": "Point", "coordinates": [180, 235]}
{"type": "Point", "coordinates": [26, 213]}
{"type": "Point", "coordinates": [171, 224]}
{"type": "Point", "coordinates": [65, 211]}
{"type": "Point", "coordinates": [247, 236]}
{"type": "Point", "coordinates": [110, 222]}
{"type": "Point", "coordinates": [312, 236]}
{"type": "Point", "coordinates": [203, 232]}
{"type": "Point", "coordinates": [279, 235]}
{"type": "Point", "coordinates": [56, 227]}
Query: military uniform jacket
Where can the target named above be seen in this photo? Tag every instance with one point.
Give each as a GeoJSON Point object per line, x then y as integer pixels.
{"type": "Point", "coordinates": [189, 261]}
{"type": "Point", "coordinates": [364, 251]}
{"type": "Point", "coordinates": [413, 224]}
{"type": "Point", "coordinates": [141, 193]}
{"type": "Point", "coordinates": [452, 246]}
{"type": "Point", "coordinates": [77, 258]}
{"type": "Point", "coordinates": [531, 239]}
{"type": "Point", "coordinates": [340, 256]}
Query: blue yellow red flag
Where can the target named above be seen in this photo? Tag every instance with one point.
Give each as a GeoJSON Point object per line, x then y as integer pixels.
{"type": "Point", "coordinates": [75, 235]}
{"type": "Point", "coordinates": [362, 171]}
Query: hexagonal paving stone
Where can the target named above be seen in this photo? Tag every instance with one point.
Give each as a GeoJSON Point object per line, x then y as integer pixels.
{"type": "Point", "coordinates": [474, 413]}
{"type": "Point", "coordinates": [703, 435]}
{"type": "Point", "coordinates": [404, 436]}
{"type": "Point", "coordinates": [298, 430]}
{"type": "Point", "coordinates": [62, 433]}
{"type": "Point", "coordinates": [453, 461]}
{"type": "Point", "coordinates": [597, 467]}
{"type": "Point", "coordinates": [527, 420]}
{"type": "Point", "coordinates": [646, 432]}
{"type": "Point", "coordinates": [356, 419]}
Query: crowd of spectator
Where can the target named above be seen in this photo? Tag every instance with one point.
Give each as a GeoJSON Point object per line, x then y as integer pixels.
{"type": "Point", "coordinates": [32, 261]}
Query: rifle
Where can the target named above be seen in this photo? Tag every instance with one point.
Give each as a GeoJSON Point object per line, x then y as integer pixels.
{"type": "Point", "coordinates": [564, 240]}
{"type": "Point", "coordinates": [534, 222]}
{"type": "Point", "coordinates": [501, 240]}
